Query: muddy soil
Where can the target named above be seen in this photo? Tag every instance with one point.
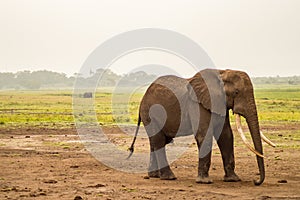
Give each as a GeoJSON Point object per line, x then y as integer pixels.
{"type": "Point", "coordinates": [44, 163]}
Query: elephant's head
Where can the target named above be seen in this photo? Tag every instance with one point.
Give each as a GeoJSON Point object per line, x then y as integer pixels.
{"type": "Point", "coordinates": [240, 98]}
{"type": "Point", "coordinates": [218, 90]}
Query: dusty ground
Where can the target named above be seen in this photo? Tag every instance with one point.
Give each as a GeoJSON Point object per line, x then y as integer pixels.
{"type": "Point", "coordinates": [45, 163]}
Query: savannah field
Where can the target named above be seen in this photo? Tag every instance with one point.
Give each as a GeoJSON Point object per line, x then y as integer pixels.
{"type": "Point", "coordinates": [41, 156]}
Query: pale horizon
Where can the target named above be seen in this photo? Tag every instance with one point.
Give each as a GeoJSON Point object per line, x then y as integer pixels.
{"type": "Point", "coordinates": [122, 74]}
{"type": "Point", "coordinates": [259, 37]}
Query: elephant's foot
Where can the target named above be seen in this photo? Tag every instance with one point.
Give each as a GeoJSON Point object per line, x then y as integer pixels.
{"type": "Point", "coordinates": [232, 178]}
{"type": "Point", "coordinates": [167, 174]}
{"type": "Point", "coordinates": [153, 174]}
{"type": "Point", "coordinates": [204, 180]}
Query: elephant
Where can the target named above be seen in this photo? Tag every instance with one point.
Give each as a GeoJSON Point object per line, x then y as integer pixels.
{"type": "Point", "coordinates": [88, 95]}
{"type": "Point", "coordinates": [174, 106]}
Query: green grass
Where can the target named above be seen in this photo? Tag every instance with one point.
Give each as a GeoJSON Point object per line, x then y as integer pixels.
{"type": "Point", "coordinates": [27, 108]}
{"type": "Point", "coordinates": [58, 144]}
{"type": "Point", "coordinates": [278, 104]}
{"type": "Point", "coordinates": [20, 107]}
{"type": "Point", "coordinates": [33, 108]}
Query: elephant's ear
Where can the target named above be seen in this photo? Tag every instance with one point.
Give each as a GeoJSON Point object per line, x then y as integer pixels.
{"type": "Point", "coordinates": [207, 88]}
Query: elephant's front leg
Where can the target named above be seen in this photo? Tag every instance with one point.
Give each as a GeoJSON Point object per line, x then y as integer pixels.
{"type": "Point", "coordinates": [225, 143]}
{"type": "Point", "coordinates": [204, 152]}
{"type": "Point", "coordinates": [158, 160]}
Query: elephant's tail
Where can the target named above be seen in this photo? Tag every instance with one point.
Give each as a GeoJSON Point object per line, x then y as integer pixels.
{"type": "Point", "coordinates": [131, 148]}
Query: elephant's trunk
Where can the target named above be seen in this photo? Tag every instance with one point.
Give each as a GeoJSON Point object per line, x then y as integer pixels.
{"type": "Point", "coordinates": [253, 124]}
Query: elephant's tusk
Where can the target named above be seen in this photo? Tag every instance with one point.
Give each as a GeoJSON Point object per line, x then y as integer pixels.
{"type": "Point", "coordinates": [240, 130]}
{"type": "Point", "coordinates": [264, 138]}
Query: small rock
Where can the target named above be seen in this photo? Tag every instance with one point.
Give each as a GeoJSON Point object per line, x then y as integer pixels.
{"type": "Point", "coordinates": [99, 185]}
{"type": "Point", "coordinates": [87, 193]}
{"type": "Point", "coordinates": [74, 166]}
{"type": "Point", "coordinates": [282, 181]}
{"type": "Point", "coordinates": [78, 198]}
{"type": "Point", "coordinates": [265, 197]}
{"type": "Point", "coordinates": [50, 181]}
{"type": "Point", "coordinates": [278, 151]}
{"type": "Point", "coordinates": [32, 194]}
{"type": "Point", "coordinates": [146, 177]}
{"type": "Point", "coordinates": [27, 136]}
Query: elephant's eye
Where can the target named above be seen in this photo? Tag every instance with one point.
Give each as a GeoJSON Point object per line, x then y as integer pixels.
{"type": "Point", "coordinates": [236, 92]}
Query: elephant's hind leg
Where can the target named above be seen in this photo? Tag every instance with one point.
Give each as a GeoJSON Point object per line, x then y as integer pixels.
{"type": "Point", "coordinates": [158, 159]}
{"type": "Point", "coordinates": [153, 170]}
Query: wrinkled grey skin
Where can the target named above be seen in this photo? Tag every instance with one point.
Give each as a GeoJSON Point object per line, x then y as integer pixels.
{"type": "Point", "coordinates": [174, 106]}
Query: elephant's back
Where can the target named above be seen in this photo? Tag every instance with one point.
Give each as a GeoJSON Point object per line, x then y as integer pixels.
{"type": "Point", "coordinates": [166, 92]}
{"type": "Point", "coordinates": [166, 89]}
{"type": "Point", "coordinates": [167, 86]}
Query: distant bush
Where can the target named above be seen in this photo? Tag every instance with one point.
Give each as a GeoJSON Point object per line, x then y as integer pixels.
{"type": "Point", "coordinates": [294, 80]}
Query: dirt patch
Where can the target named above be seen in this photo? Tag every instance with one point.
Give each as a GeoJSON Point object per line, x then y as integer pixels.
{"type": "Point", "coordinates": [45, 163]}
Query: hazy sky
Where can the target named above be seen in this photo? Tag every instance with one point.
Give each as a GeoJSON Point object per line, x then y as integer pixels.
{"type": "Point", "coordinates": [260, 37]}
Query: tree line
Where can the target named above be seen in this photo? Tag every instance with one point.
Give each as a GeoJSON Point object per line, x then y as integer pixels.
{"type": "Point", "coordinates": [43, 79]}
{"type": "Point", "coordinates": [35, 80]}
{"type": "Point", "coordinates": [292, 80]}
